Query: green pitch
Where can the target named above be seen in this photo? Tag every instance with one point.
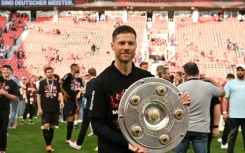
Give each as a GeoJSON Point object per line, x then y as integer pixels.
{"type": "Point", "coordinates": [29, 139]}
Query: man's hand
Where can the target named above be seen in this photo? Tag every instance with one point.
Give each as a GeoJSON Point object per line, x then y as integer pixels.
{"type": "Point", "coordinates": [65, 97]}
{"type": "Point", "coordinates": [137, 149]}
{"type": "Point", "coordinates": [40, 111]}
{"type": "Point", "coordinates": [215, 132]}
{"type": "Point", "coordinates": [2, 92]}
{"type": "Point", "coordinates": [225, 116]}
{"type": "Point", "coordinates": [204, 78]}
{"type": "Point", "coordinates": [61, 105]}
{"type": "Point", "coordinates": [185, 99]}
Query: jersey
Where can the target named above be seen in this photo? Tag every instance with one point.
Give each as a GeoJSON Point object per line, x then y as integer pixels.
{"type": "Point", "coordinates": [49, 91]}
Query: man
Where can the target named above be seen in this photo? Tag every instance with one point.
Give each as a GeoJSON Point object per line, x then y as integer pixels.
{"type": "Point", "coordinates": [8, 92]}
{"type": "Point", "coordinates": [30, 95]}
{"type": "Point", "coordinates": [159, 68]}
{"type": "Point", "coordinates": [69, 87]}
{"type": "Point", "coordinates": [201, 92]}
{"type": "Point", "coordinates": [144, 66]}
{"type": "Point", "coordinates": [93, 48]}
{"type": "Point", "coordinates": [110, 86]}
{"type": "Point", "coordinates": [49, 100]}
{"type": "Point", "coordinates": [164, 73]}
{"type": "Point", "coordinates": [14, 104]}
{"type": "Point", "coordinates": [86, 120]}
{"type": "Point", "coordinates": [79, 112]}
{"type": "Point", "coordinates": [22, 99]}
{"type": "Point", "coordinates": [235, 91]}
{"type": "Point", "coordinates": [214, 121]}
{"type": "Point", "coordinates": [214, 118]}
{"type": "Point", "coordinates": [223, 139]}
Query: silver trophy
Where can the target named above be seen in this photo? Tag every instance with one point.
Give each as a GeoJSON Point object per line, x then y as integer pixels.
{"type": "Point", "coordinates": [151, 114]}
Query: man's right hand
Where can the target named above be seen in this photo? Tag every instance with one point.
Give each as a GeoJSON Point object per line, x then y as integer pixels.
{"type": "Point", "coordinates": [40, 111]}
{"type": "Point", "coordinates": [225, 116]}
{"type": "Point", "coordinates": [137, 149]}
{"type": "Point", "coordinates": [2, 92]}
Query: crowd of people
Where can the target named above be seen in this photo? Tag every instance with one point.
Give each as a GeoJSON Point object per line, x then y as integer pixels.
{"type": "Point", "coordinates": [48, 95]}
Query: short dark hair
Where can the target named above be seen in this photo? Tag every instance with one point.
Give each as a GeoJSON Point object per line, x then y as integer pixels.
{"type": "Point", "coordinates": [92, 71]}
{"type": "Point", "coordinates": [230, 76]}
{"type": "Point", "coordinates": [57, 77]}
{"type": "Point", "coordinates": [73, 65]}
{"type": "Point", "coordinates": [191, 69]}
{"type": "Point", "coordinates": [179, 73]}
{"type": "Point", "coordinates": [143, 63]}
{"type": "Point", "coordinates": [123, 29]}
{"type": "Point", "coordinates": [8, 67]}
{"type": "Point", "coordinates": [160, 67]}
{"type": "Point", "coordinates": [48, 68]}
{"type": "Point", "coordinates": [162, 71]}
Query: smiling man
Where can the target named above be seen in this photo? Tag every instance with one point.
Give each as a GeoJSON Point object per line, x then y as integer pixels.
{"type": "Point", "coordinates": [8, 92]}
{"type": "Point", "coordinates": [109, 88]}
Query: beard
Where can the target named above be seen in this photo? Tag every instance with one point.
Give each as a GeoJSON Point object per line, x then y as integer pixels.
{"type": "Point", "coordinates": [50, 77]}
{"type": "Point", "coordinates": [240, 76]}
{"type": "Point", "coordinates": [77, 71]}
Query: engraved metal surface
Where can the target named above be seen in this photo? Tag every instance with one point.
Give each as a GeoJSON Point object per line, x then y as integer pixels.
{"type": "Point", "coordinates": [151, 114]}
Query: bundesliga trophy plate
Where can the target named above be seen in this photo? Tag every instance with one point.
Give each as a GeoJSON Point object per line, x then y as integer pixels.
{"type": "Point", "coordinates": [151, 114]}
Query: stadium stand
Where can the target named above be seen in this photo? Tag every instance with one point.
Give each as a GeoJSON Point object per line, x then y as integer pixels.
{"type": "Point", "coordinates": [215, 42]}
{"type": "Point", "coordinates": [71, 41]}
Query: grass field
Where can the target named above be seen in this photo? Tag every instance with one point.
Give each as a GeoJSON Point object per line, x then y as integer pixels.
{"type": "Point", "coordinates": [28, 139]}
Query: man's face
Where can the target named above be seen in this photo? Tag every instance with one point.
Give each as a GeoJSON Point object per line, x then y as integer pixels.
{"type": "Point", "coordinates": [144, 67]}
{"type": "Point", "coordinates": [77, 69]}
{"type": "Point", "coordinates": [177, 77]}
{"type": "Point", "coordinates": [87, 77]}
{"type": "Point", "coordinates": [49, 74]}
{"type": "Point", "coordinates": [6, 72]}
{"type": "Point", "coordinates": [124, 47]}
{"type": "Point", "coordinates": [166, 75]}
{"type": "Point", "coordinates": [33, 79]}
{"type": "Point", "coordinates": [77, 75]}
{"type": "Point", "coordinates": [240, 73]}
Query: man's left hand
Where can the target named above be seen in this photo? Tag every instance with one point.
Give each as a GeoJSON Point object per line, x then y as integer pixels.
{"type": "Point", "coordinates": [185, 99]}
{"type": "Point", "coordinates": [215, 132]}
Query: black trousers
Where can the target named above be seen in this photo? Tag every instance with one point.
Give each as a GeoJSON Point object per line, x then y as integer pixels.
{"type": "Point", "coordinates": [4, 121]}
{"type": "Point", "coordinates": [234, 126]}
{"type": "Point", "coordinates": [226, 132]}
{"type": "Point", "coordinates": [84, 127]}
{"type": "Point", "coordinates": [29, 108]}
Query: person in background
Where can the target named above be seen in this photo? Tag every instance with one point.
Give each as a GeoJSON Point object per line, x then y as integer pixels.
{"type": "Point", "coordinates": [60, 114]}
{"type": "Point", "coordinates": [234, 98]}
{"type": "Point", "coordinates": [21, 106]}
{"type": "Point", "coordinates": [86, 120]}
{"type": "Point", "coordinates": [201, 91]}
{"type": "Point", "coordinates": [30, 96]}
{"type": "Point", "coordinates": [49, 101]}
{"type": "Point", "coordinates": [14, 104]}
{"type": "Point", "coordinates": [144, 66]}
{"type": "Point", "coordinates": [178, 78]}
{"type": "Point", "coordinates": [68, 87]}
{"type": "Point", "coordinates": [223, 139]}
{"type": "Point", "coordinates": [79, 111]}
{"type": "Point", "coordinates": [8, 92]}
{"type": "Point", "coordinates": [164, 73]}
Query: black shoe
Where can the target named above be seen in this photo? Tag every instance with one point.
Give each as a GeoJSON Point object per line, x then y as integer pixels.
{"type": "Point", "coordinates": [76, 126]}
{"type": "Point", "coordinates": [22, 123]}
{"type": "Point", "coordinates": [31, 122]}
